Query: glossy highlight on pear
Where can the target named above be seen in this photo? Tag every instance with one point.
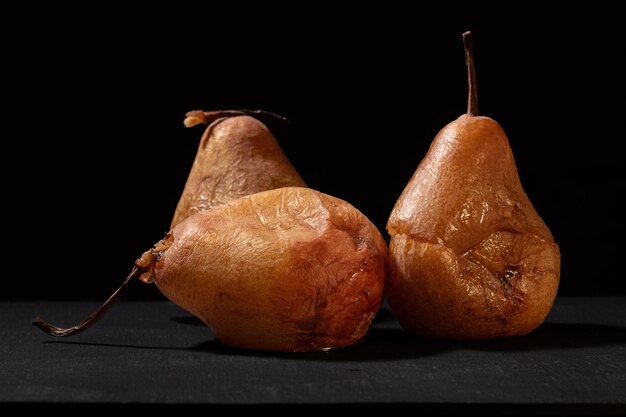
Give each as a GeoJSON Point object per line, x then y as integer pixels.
{"type": "Point", "coordinates": [470, 257]}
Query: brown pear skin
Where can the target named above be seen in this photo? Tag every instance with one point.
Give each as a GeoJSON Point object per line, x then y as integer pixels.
{"type": "Point", "coordinates": [470, 257]}
{"type": "Point", "coordinates": [237, 156]}
{"type": "Point", "coordinates": [289, 270]}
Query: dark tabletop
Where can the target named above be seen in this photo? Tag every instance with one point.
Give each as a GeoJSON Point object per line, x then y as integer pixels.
{"type": "Point", "coordinates": [156, 353]}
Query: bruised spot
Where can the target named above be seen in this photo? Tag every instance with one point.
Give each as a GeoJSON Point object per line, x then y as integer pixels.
{"type": "Point", "coordinates": [510, 272]}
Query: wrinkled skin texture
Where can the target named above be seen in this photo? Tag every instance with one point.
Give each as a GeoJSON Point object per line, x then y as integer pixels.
{"type": "Point", "coordinates": [289, 270]}
{"type": "Point", "coordinates": [237, 156]}
{"type": "Point", "coordinates": [470, 258]}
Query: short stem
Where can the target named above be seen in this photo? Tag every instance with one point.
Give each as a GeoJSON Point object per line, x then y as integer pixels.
{"type": "Point", "coordinates": [472, 99]}
{"type": "Point", "coordinates": [60, 332]}
{"type": "Point", "coordinates": [196, 117]}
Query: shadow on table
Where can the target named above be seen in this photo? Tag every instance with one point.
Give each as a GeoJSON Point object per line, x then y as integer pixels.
{"type": "Point", "coordinates": [386, 341]}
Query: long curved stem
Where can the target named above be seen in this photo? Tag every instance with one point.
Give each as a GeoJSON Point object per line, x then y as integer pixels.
{"type": "Point", "coordinates": [61, 332]}
{"type": "Point", "coordinates": [472, 94]}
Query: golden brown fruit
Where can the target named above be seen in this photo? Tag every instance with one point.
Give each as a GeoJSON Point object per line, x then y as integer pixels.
{"type": "Point", "coordinates": [470, 258]}
{"type": "Point", "coordinates": [237, 156]}
{"type": "Point", "coordinates": [287, 270]}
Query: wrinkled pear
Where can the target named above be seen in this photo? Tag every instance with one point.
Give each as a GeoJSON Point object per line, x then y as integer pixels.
{"type": "Point", "coordinates": [470, 258]}
{"type": "Point", "coordinates": [237, 156]}
{"type": "Point", "coordinates": [289, 270]}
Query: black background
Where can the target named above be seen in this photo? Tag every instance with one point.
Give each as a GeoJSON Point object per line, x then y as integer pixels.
{"type": "Point", "coordinates": [103, 154]}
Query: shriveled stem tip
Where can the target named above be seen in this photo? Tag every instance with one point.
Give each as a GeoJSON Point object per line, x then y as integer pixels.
{"type": "Point", "coordinates": [196, 117]}
{"type": "Point", "coordinates": [472, 94]}
{"type": "Point", "coordinates": [61, 332]}
{"type": "Point", "coordinates": [193, 118]}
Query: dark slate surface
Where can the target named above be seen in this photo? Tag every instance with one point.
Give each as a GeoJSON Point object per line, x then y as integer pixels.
{"type": "Point", "coordinates": [154, 352]}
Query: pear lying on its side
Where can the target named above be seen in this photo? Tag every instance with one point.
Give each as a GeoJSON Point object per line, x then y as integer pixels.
{"type": "Point", "coordinates": [470, 258]}
{"type": "Point", "coordinates": [290, 269]}
{"type": "Point", "coordinates": [237, 156]}
{"type": "Point", "coordinates": [287, 270]}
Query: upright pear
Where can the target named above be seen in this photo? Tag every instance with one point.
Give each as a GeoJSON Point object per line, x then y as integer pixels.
{"type": "Point", "coordinates": [237, 156]}
{"type": "Point", "coordinates": [470, 258]}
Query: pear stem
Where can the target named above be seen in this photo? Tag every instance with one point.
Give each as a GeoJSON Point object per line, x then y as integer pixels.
{"type": "Point", "coordinates": [472, 96]}
{"type": "Point", "coordinates": [143, 269]}
{"type": "Point", "coordinates": [196, 117]}
{"type": "Point", "coordinates": [61, 332]}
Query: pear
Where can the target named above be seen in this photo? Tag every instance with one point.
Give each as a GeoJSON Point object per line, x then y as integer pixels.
{"type": "Point", "coordinates": [288, 270]}
{"type": "Point", "coordinates": [237, 156]}
{"type": "Point", "coordinates": [470, 257]}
